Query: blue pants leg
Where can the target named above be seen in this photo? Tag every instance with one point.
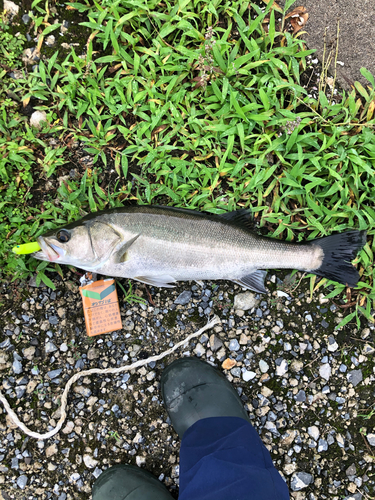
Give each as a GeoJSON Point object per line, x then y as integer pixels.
{"type": "Point", "coordinates": [223, 458]}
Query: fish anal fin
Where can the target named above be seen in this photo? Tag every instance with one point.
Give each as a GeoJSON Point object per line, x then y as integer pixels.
{"type": "Point", "coordinates": [160, 281]}
{"type": "Point", "coordinates": [253, 281]}
{"type": "Point", "coordinates": [242, 218]}
{"type": "Point", "coordinates": [122, 254]}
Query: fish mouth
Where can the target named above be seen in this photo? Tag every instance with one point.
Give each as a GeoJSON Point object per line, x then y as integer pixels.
{"type": "Point", "coordinates": [48, 251]}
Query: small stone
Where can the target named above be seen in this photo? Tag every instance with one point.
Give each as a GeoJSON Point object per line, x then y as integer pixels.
{"type": "Point", "coordinates": [282, 368]}
{"type": "Point", "coordinates": [50, 347]}
{"type": "Point", "coordinates": [371, 439]}
{"type": "Point", "coordinates": [129, 325]}
{"type": "Point", "coordinates": [287, 439]}
{"type": "Point", "coordinates": [248, 375]}
{"type": "Point", "coordinates": [92, 353]}
{"type": "Point", "coordinates": [243, 339]}
{"type": "Point", "coordinates": [51, 450]}
{"type": "Point", "coordinates": [228, 364]}
{"type": "Point", "coordinates": [264, 367]}
{"type": "Point", "coordinates": [368, 349]}
{"type": "Point", "coordinates": [325, 371]}
{"type": "Point", "coordinates": [234, 345]}
{"type": "Point", "coordinates": [68, 428]}
{"type": "Point", "coordinates": [64, 347]}
{"type": "Point", "coordinates": [300, 480]}
{"type": "Point", "coordinates": [90, 462]}
{"type": "Point", "coordinates": [215, 343]}
{"type": "Point", "coordinates": [351, 470]}
{"type": "Point", "coordinates": [37, 118]}
{"type": "Point", "coordinates": [53, 320]}
{"type": "Point", "coordinates": [308, 317]}
{"type": "Point", "coordinates": [54, 373]}
{"type": "Point", "coordinates": [29, 353]}
{"type": "Point", "coordinates": [25, 18]}
{"type": "Point", "coordinates": [296, 366]}
{"type": "Point", "coordinates": [11, 7]}
{"type": "Point", "coordinates": [236, 372]}
{"type": "Point", "coordinates": [22, 480]}
{"type": "Point", "coordinates": [301, 396]}
{"type": "Point", "coordinates": [17, 367]}
{"type": "Point", "coordinates": [313, 432]}
{"type": "Point", "coordinates": [355, 377]}
{"type": "Point", "coordinates": [332, 344]}
{"type": "Point", "coordinates": [199, 350]}
{"type": "Point", "coordinates": [322, 445]}
{"type": "Point", "coordinates": [245, 301]}
{"type": "Point", "coordinates": [140, 461]}
{"type": "Point", "coordinates": [50, 42]}
{"type": "Point", "coordinates": [184, 298]}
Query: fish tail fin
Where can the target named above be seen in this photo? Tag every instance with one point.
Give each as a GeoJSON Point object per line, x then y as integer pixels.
{"type": "Point", "coordinates": [339, 250]}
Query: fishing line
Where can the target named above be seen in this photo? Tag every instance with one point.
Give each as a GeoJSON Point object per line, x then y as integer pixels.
{"type": "Point", "coordinates": [64, 398]}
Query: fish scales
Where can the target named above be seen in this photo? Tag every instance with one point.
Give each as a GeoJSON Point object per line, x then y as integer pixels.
{"type": "Point", "coordinates": [162, 245]}
{"type": "Point", "coordinates": [212, 249]}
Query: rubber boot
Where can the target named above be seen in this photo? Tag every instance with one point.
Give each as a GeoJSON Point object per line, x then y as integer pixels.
{"type": "Point", "coordinates": [128, 482]}
{"type": "Point", "coordinates": [193, 389]}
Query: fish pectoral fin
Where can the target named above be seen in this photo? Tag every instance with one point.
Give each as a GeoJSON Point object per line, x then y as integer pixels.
{"type": "Point", "coordinates": [254, 281]}
{"type": "Point", "coordinates": [161, 281]}
{"type": "Point", "coordinates": [122, 254]}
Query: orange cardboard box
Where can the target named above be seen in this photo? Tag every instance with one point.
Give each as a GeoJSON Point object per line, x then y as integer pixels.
{"type": "Point", "coordinates": [101, 307]}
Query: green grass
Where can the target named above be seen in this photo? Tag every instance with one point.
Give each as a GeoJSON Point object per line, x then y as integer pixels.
{"type": "Point", "coordinates": [191, 104]}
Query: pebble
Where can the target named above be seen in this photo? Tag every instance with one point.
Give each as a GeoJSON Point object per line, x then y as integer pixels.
{"type": "Point", "coordinates": [351, 470]}
{"type": "Point", "coordinates": [54, 373]}
{"type": "Point", "coordinates": [22, 482]}
{"type": "Point", "coordinates": [234, 345]}
{"type": "Point", "coordinates": [11, 7]}
{"type": "Point", "coordinates": [53, 320]}
{"type": "Point", "coordinates": [50, 41]}
{"type": "Point", "coordinates": [281, 368]}
{"type": "Point", "coordinates": [248, 375]}
{"type": "Point", "coordinates": [228, 363]}
{"type": "Point", "coordinates": [17, 367]}
{"type": "Point", "coordinates": [37, 118]}
{"type": "Point", "coordinates": [371, 439]}
{"type": "Point", "coordinates": [245, 301]}
{"type": "Point", "coordinates": [355, 377]}
{"type": "Point", "coordinates": [313, 432]}
{"type": "Point", "coordinates": [90, 462]}
{"type": "Point", "coordinates": [300, 480]}
{"type": "Point", "coordinates": [50, 347]}
{"type": "Point", "coordinates": [332, 344]}
{"type": "Point", "coordinates": [263, 366]}
{"type": "Point", "coordinates": [325, 371]}
{"type": "Point", "coordinates": [184, 298]}
{"type": "Point", "coordinates": [322, 445]}
{"type": "Point", "coordinates": [199, 350]}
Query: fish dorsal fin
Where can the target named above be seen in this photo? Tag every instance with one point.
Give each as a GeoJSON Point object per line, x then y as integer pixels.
{"type": "Point", "coordinates": [160, 281]}
{"type": "Point", "coordinates": [242, 217]}
{"type": "Point", "coordinates": [122, 255]}
{"type": "Point", "coordinates": [254, 281]}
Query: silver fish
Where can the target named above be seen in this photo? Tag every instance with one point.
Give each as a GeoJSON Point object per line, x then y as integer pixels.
{"type": "Point", "coordinates": [162, 245]}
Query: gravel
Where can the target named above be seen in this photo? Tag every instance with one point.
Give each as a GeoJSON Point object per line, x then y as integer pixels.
{"type": "Point", "coordinates": [306, 397]}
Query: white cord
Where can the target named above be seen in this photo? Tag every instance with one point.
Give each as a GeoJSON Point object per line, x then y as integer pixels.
{"type": "Point", "coordinates": [64, 398]}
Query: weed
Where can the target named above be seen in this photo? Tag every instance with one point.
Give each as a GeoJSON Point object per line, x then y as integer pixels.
{"type": "Point", "coordinates": [194, 105]}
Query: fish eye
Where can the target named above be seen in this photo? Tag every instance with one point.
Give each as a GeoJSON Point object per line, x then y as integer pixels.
{"type": "Point", "coordinates": [63, 236]}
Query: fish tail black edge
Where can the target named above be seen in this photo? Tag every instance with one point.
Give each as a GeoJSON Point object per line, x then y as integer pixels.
{"type": "Point", "coordinates": [339, 250]}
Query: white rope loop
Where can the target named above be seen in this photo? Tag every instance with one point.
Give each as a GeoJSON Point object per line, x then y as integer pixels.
{"type": "Point", "coordinates": [64, 398]}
